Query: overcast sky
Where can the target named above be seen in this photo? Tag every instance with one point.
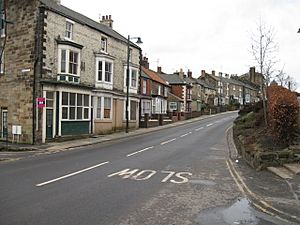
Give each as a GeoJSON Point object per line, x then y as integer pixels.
{"type": "Point", "coordinates": [202, 35]}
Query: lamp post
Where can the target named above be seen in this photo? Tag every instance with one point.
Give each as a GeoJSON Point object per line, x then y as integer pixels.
{"type": "Point", "coordinates": [139, 41]}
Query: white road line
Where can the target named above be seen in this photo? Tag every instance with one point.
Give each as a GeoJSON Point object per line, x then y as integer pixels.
{"type": "Point", "coordinates": [200, 128]}
{"type": "Point", "coordinates": [71, 174]}
{"type": "Point", "coordinates": [145, 149]}
{"type": "Point", "coordinates": [208, 125]}
{"type": "Point", "coordinates": [185, 134]}
{"type": "Point", "coordinates": [166, 142]}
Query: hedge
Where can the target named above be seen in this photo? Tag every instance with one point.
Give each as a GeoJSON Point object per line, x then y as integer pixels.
{"type": "Point", "coordinates": [283, 111]}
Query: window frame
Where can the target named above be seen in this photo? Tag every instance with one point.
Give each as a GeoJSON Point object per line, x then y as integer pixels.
{"type": "Point", "coordinates": [100, 107]}
{"type": "Point", "coordinates": [3, 27]}
{"type": "Point", "coordinates": [103, 44]}
{"type": "Point", "coordinates": [68, 50]}
{"type": "Point", "coordinates": [103, 79]}
{"type": "Point", "coordinates": [69, 107]}
{"type": "Point", "coordinates": [69, 34]}
{"type": "Point", "coordinates": [1, 61]}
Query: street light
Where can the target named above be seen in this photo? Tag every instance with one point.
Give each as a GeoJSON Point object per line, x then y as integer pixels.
{"type": "Point", "coordinates": [139, 41]}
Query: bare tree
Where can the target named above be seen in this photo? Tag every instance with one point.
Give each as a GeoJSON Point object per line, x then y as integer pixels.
{"type": "Point", "coordinates": [263, 49]}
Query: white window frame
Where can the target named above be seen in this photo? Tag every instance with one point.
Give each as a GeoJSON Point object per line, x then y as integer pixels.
{"type": "Point", "coordinates": [71, 31]}
{"type": "Point", "coordinates": [102, 83]}
{"type": "Point", "coordinates": [76, 106]}
{"type": "Point", "coordinates": [2, 62]}
{"type": "Point", "coordinates": [129, 107]}
{"type": "Point", "coordinates": [132, 89]}
{"type": "Point", "coordinates": [132, 83]}
{"type": "Point", "coordinates": [146, 107]}
{"type": "Point", "coordinates": [144, 88]}
{"type": "Point", "coordinates": [101, 100]}
{"type": "Point", "coordinates": [2, 29]}
{"type": "Point", "coordinates": [103, 44]}
{"type": "Point", "coordinates": [68, 49]}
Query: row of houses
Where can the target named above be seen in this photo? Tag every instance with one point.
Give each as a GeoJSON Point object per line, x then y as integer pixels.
{"type": "Point", "coordinates": [62, 74]}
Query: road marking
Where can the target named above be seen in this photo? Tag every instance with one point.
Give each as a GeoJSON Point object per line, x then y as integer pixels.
{"type": "Point", "coordinates": [208, 125]}
{"type": "Point", "coordinates": [166, 142]}
{"type": "Point", "coordinates": [142, 175]}
{"type": "Point", "coordinates": [200, 128]}
{"type": "Point", "coordinates": [145, 149]}
{"type": "Point", "coordinates": [71, 174]}
{"type": "Point", "coordinates": [185, 134]}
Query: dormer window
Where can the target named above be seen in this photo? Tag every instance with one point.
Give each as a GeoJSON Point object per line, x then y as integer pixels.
{"type": "Point", "coordinates": [69, 29]}
{"type": "Point", "coordinates": [103, 44]}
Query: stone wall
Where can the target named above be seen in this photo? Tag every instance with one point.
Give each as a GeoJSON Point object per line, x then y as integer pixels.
{"type": "Point", "coordinates": [16, 85]}
{"type": "Point", "coordinates": [90, 39]}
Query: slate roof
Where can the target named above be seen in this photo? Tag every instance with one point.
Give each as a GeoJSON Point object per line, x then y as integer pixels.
{"type": "Point", "coordinates": [143, 74]}
{"type": "Point", "coordinates": [204, 84]}
{"type": "Point", "coordinates": [79, 18]}
{"type": "Point", "coordinates": [172, 78]}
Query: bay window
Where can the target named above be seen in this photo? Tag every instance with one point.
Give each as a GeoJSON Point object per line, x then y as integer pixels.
{"type": "Point", "coordinates": [69, 63]}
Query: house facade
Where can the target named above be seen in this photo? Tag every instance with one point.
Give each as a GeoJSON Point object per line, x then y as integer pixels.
{"type": "Point", "coordinates": [181, 89]}
{"type": "Point", "coordinates": [65, 74]}
{"type": "Point", "coordinates": [159, 92]}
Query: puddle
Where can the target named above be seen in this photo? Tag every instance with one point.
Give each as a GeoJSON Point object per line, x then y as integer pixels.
{"type": "Point", "coordinates": [240, 213]}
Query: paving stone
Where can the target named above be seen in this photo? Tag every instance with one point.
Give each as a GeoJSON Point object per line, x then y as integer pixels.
{"type": "Point", "coordinates": [294, 167]}
{"type": "Point", "coordinates": [281, 172]}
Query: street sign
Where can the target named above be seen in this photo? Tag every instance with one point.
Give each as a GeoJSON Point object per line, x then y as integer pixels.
{"type": "Point", "coordinates": [41, 102]}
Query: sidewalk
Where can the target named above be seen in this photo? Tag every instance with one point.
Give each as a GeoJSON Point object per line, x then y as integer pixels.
{"type": "Point", "coordinates": [266, 190]}
{"type": "Point", "coordinates": [19, 151]}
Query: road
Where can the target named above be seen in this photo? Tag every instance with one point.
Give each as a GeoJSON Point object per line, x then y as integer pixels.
{"type": "Point", "coordinates": [176, 176]}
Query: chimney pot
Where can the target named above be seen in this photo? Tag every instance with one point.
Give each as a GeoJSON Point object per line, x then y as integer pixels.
{"type": "Point", "coordinates": [213, 72]}
{"type": "Point", "coordinates": [159, 69]}
{"type": "Point", "coordinates": [103, 17]}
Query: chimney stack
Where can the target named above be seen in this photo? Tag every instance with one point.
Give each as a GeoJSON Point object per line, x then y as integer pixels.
{"type": "Point", "coordinates": [145, 62]}
{"type": "Point", "coordinates": [159, 69]}
{"type": "Point", "coordinates": [189, 74]}
{"type": "Point", "coordinates": [107, 21]}
{"type": "Point", "coordinates": [252, 74]}
{"type": "Point", "coordinates": [181, 73]}
{"type": "Point", "coordinates": [202, 73]}
{"type": "Point", "coordinates": [213, 73]}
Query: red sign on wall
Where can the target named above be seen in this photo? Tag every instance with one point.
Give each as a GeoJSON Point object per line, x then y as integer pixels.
{"type": "Point", "coordinates": [41, 102]}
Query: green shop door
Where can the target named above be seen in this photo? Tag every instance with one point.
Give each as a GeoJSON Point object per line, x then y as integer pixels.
{"type": "Point", "coordinates": [49, 123]}
{"type": "Point", "coordinates": [4, 124]}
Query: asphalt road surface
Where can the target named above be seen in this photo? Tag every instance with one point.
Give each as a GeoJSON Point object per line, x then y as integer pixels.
{"type": "Point", "coordinates": [175, 176]}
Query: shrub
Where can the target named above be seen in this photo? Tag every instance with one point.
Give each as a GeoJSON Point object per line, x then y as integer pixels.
{"type": "Point", "coordinates": [283, 111]}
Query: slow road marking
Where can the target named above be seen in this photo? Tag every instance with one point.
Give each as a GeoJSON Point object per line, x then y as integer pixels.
{"type": "Point", "coordinates": [145, 149]}
{"type": "Point", "coordinates": [142, 175]}
{"type": "Point", "coordinates": [71, 174]}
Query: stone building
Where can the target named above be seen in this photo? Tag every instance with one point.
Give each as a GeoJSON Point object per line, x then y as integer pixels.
{"type": "Point", "coordinates": [64, 74]}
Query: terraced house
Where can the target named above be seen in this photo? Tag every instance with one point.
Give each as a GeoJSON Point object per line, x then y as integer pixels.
{"type": "Point", "coordinates": [64, 74]}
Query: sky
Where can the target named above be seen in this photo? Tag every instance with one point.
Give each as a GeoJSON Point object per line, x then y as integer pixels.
{"type": "Point", "coordinates": [200, 35]}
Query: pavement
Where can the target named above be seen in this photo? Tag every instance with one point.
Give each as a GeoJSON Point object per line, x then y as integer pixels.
{"type": "Point", "coordinates": [271, 193]}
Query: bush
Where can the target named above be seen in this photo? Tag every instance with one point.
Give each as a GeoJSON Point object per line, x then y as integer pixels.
{"type": "Point", "coordinates": [283, 111]}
